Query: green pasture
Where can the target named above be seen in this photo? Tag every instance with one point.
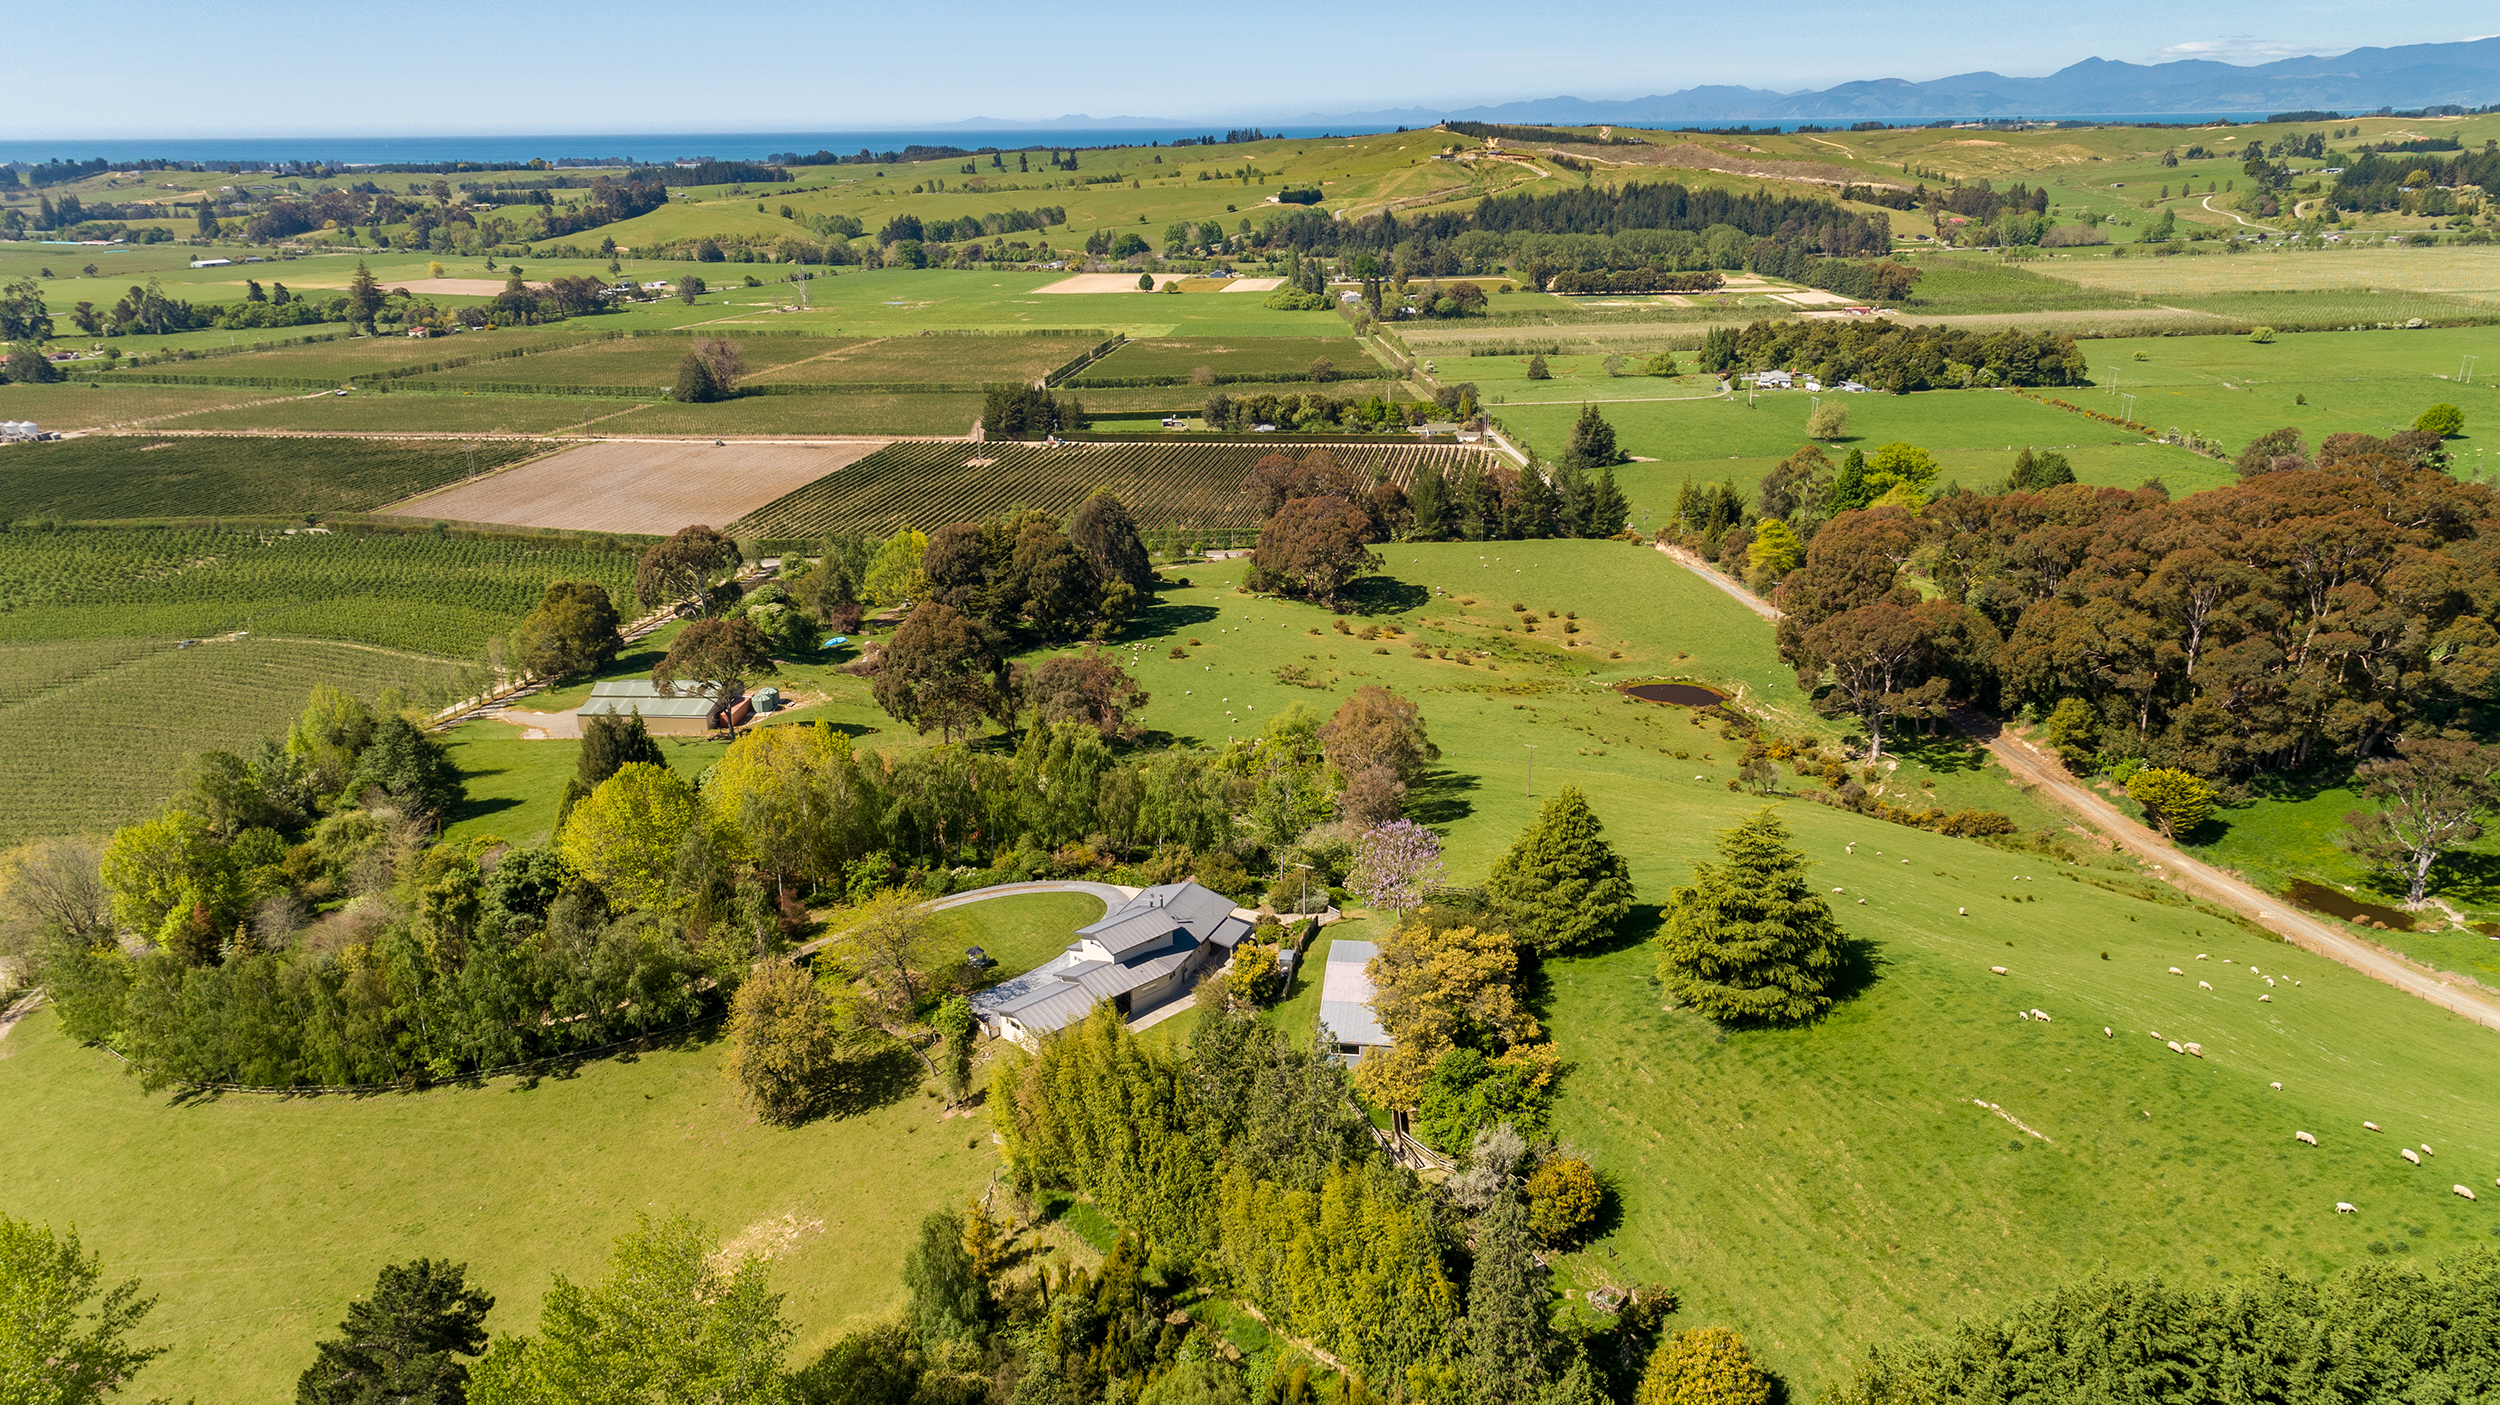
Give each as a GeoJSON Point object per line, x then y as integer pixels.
{"type": "Point", "coordinates": [2234, 389]}
{"type": "Point", "coordinates": [97, 731]}
{"type": "Point", "coordinates": [253, 1220]}
{"type": "Point", "coordinates": [134, 476]}
{"type": "Point", "coordinates": [1019, 933]}
{"type": "Point", "coordinates": [69, 405]}
{"type": "Point", "coordinates": [1280, 355]}
{"type": "Point", "coordinates": [1973, 433]}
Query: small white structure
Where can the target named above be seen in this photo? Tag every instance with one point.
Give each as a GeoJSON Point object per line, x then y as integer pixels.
{"type": "Point", "coordinates": [1345, 1001]}
{"type": "Point", "coordinates": [19, 432]}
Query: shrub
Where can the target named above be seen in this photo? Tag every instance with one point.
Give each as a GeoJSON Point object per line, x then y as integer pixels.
{"type": "Point", "coordinates": [2444, 420]}
{"type": "Point", "coordinates": [1704, 1366]}
{"type": "Point", "coordinates": [2173, 799]}
{"type": "Point", "coordinates": [1563, 1197]}
{"type": "Point", "coordinates": [2261, 335]}
{"type": "Point", "coordinates": [1828, 422]}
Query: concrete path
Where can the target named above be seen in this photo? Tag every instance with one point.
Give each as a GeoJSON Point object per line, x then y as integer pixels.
{"type": "Point", "coordinates": [2051, 779]}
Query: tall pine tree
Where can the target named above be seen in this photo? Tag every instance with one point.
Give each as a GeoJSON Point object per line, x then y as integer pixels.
{"type": "Point", "coordinates": [1561, 886]}
{"type": "Point", "coordinates": [1751, 941]}
{"type": "Point", "coordinates": [1430, 505]}
{"type": "Point", "coordinates": [1592, 442]}
{"type": "Point", "coordinates": [1608, 509]}
{"type": "Point", "coordinates": [1536, 506]}
{"type": "Point", "coordinates": [1506, 1329]}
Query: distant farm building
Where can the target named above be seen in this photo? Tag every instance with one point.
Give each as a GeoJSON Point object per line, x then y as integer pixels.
{"type": "Point", "coordinates": [697, 709]}
{"type": "Point", "coordinates": [1143, 954]}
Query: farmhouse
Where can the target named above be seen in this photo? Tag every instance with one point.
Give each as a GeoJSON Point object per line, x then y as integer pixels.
{"type": "Point", "coordinates": [1143, 954]}
{"type": "Point", "coordinates": [697, 709]}
{"type": "Point", "coordinates": [1345, 1000]}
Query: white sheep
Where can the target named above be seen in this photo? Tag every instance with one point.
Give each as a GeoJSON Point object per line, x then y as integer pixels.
{"type": "Point", "coordinates": [2200, 956]}
{"type": "Point", "coordinates": [1964, 911]}
{"type": "Point", "coordinates": [2177, 972]}
{"type": "Point", "coordinates": [2266, 999]}
{"type": "Point", "coordinates": [2410, 1154]}
{"type": "Point", "coordinates": [2039, 1014]}
{"type": "Point", "coordinates": [2344, 1207]}
{"type": "Point", "coordinates": [2105, 1034]}
{"type": "Point", "coordinates": [2466, 1191]}
{"type": "Point", "coordinates": [2194, 1048]}
{"type": "Point", "coordinates": [2174, 1047]}
{"type": "Point", "coordinates": [2371, 1125]}
{"type": "Point", "coordinates": [2204, 985]}
{"type": "Point", "coordinates": [2426, 1150]}
{"type": "Point", "coordinates": [2023, 1014]}
{"type": "Point", "coordinates": [1835, 890]}
{"type": "Point", "coordinates": [2252, 970]}
{"type": "Point", "coordinates": [2269, 982]}
{"type": "Point", "coordinates": [2276, 1087]}
{"type": "Point", "coordinates": [2304, 1137]}
{"type": "Point", "coordinates": [1999, 970]}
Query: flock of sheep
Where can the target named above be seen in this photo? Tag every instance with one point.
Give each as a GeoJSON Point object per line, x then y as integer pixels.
{"type": "Point", "coordinates": [2196, 1050]}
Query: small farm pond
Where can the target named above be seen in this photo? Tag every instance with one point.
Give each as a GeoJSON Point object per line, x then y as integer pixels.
{"type": "Point", "coordinates": [2317, 897]}
{"type": "Point", "coordinates": [1680, 694]}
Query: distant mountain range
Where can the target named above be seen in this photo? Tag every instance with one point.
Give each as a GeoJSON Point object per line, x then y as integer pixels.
{"type": "Point", "coordinates": [2406, 77]}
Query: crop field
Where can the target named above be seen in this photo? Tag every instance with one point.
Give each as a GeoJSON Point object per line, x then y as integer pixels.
{"type": "Point", "coordinates": [345, 359]}
{"type": "Point", "coordinates": [419, 592]}
{"type": "Point", "coordinates": [641, 487]}
{"type": "Point", "coordinates": [69, 405]}
{"type": "Point", "coordinates": [2471, 274]}
{"type": "Point", "coordinates": [1177, 484]}
{"type": "Point", "coordinates": [648, 362]}
{"type": "Point", "coordinates": [95, 733]}
{"type": "Point", "coordinates": [410, 412]}
{"type": "Point", "coordinates": [942, 360]}
{"type": "Point", "coordinates": [803, 415]}
{"type": "Point", "coordinates": [1190, 399]}
{"type": "Point", "coordinates": [1263, 357]}
{"type": "Point", "coordinates": [126, 476]}
{"type": "Point", "coordinates": [1967, 285]}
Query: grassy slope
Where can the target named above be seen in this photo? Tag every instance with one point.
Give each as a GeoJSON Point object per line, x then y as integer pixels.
{"type": "Point", "coordinates": [255, 1219]}
{"type": "Point", "coordinates": [1820, 1188]}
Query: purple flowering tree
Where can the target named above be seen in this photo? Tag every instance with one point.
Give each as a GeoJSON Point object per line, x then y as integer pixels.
{"type": "Point", "coordinates": [1396, 865]}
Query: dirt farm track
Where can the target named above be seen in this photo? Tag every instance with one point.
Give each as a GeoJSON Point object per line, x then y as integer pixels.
{"type": "Point", "coordinates": [644, 486]}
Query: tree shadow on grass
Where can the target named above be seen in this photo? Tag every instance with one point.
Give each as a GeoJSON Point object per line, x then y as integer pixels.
{"type": "Point", "coordinates": [1440, 798]}
{"type": "Point", "coordinates": [1946, 753]}
{"type": "Point", "coordinates": [886, 1073]}
{"type": "Point", "coordinates": [1381, 595]}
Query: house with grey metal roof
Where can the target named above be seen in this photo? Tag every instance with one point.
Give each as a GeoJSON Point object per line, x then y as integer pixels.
{"type": "Point", "coordinates": [1141, 955]}
{"type": "Point", "coordinates": [1345, 1000]}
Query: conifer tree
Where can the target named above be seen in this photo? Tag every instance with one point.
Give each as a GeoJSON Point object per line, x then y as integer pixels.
{"type": "Point", "coordinates": [1608, 508]}
{"type": "Point", "coordinates": [1849, 487]}
{"type": "Point", "coordinates": [1506, 1331]}
{"type": "Point", "coordinates": [1750, 941]}
{"type": "Point", "coordinates": [402, 1343]}
{"type": "Point", "coordinates": [1684, 503]}
{"type": "Point", "coordinates": [1430, 505]}
{"type": "Point", "coordinates": [1561, 886]}
{"type": "Point", "coordinates": [1592, 441]}
{"type": "Point", "coordinates": [1537, 507]}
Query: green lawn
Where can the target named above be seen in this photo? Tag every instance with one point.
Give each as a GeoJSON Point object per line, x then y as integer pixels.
{"type": "Point", "coordinates": [254, 1219]}
{"type": "Point", "coordinates": [1019, 933]}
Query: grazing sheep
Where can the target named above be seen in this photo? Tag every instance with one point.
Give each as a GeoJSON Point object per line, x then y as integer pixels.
{"type": "Point", "coordinates": [2304, 1137]}
{"type": "Point", "coordinates": [2266, 998]}
{"type": "Point", "coordinates": [1861, 902]}
{"type": "Point", "coordinates": [2344, 1207]}
{"type": "Point", "coordinates": [2174, 1047]}
{"type": "Point", "coordinates": [2269, 982]}
{"type": "Point", "coordinates": [1835, 890]}
{"type": "Point", "coordinates": [2039, 1014]}
{"type": "Point", "coordinates": [2426, 1150]}
{"type": "Point", "coordinates": [1999, 970]}
{"type": "Point", "coordinates": [2194, 1048]}
{"type": "Point", "coordinates": [2371, 1125]}
{"type": "Point", "coordinates": [2252, 970]}
{"type": "Point", "coordinates": [2200, 956]}
{"type": "Point", "coordinates": [2410, 1154]}
{"type": "Point", "coordinates": [2177, 972]}
{"type": "Point", "coordinates": [2465, 1191]}
{"type": "Point", "coordinates": [2105, 1034]}
{"type": "Point", "coordinates": [2204, 985]}
{"type": "Point", "coordinates": [1963, 911]}
{"type": "Point", "coordinates": [2023, 1014]}
{"type": "Point", "coordinates": [2276, 1087]}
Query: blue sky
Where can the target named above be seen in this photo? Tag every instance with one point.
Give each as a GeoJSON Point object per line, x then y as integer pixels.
{"type": "Point", "coordinates": [158, 68]}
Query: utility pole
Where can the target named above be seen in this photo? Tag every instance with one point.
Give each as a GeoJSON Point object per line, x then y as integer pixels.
{"type": "Point", "coordinates": [2465, 369]}
{"type": "Point", "coordinates": [1532, 770]}
{"type": "Point", "coordinates": [2130, 412]}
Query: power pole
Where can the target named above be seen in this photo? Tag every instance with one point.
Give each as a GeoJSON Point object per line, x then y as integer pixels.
{"type": "Point", "coordinates": [1532, 770]}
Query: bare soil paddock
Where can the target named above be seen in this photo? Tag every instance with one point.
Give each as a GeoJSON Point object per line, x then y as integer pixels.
{"type": "Point", "coordinates": [640, 486]}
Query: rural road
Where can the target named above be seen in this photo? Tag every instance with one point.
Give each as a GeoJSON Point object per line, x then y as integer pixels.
{"type": "Point", "coordinates": [2050, 778]}
{"type": "Point", "coordinates": [2209, 209]}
